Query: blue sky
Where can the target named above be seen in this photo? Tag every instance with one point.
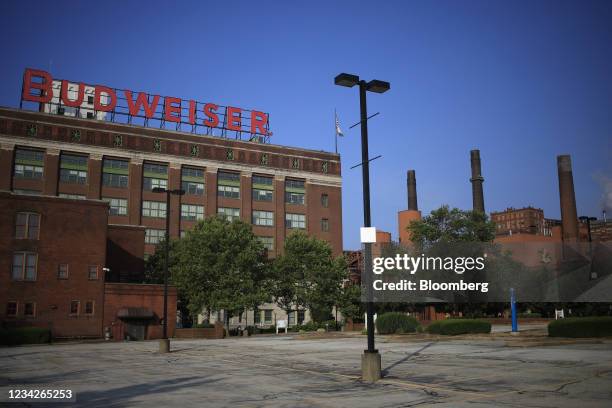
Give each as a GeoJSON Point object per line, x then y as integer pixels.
{"type": "Point", "coordinates": [523, 81]}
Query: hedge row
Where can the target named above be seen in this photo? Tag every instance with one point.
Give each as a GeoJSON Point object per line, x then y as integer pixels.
{"type": "Point", "coordinates": [395, 322]}
{"type": "Point", "coordinates": [24, 335]}
{"type": "Point", "coordinates": [459, 326]}
{"type": "Point", "coordinates": [581, 327]}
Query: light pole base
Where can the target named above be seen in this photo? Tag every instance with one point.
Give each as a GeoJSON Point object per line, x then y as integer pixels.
{"type": "Point", "coordinates": [164, 345]}
{"type": "Point", "coordinates": [370, 366]}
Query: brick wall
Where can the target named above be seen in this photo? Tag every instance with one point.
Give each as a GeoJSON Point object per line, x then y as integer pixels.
{"type": "Point", "coordinates": [72, 232]}
{"type": "Point", "coordinates": [123, 295]}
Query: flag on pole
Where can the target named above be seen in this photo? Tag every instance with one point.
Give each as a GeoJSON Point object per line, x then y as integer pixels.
{"type": "Point", "coordinates": [338, 130]}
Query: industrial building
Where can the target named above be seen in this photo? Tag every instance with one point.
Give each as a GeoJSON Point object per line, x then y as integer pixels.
{"type": "Point", "coordinates": [84, 146]}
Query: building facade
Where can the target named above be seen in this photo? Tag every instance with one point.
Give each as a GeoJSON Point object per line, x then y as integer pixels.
{"type": "Point", "coordinates": [61, 256]}
{"type": "Point", "coordinates": [276, 189]}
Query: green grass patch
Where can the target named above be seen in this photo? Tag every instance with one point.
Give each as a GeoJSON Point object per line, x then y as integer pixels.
{"type": "Point", "coordinates": [581, 327]}
{"type": "Point", "coordinates": [395, 322]}
{"type": "Point", "coordinates": [453, 327]}
{"type": "Point", "coordinates": [24, 335]}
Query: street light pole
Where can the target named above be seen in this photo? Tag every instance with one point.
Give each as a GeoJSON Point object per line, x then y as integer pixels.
{"type": "Point", "coordinates": [164, 344]}
{"type": "Point", "coordinates": [370, 360]}
{"type": "Point", "coordinates": [367, 221]}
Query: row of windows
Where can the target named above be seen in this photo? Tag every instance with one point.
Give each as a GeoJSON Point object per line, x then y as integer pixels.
{"type": "Point", "coordinates": [27, 224]}
{"type": "Point", "coordinates": [73, 170]}
{"type": "Point", "coordinates": [266, 316]}
{"type": "Point", "coordinates": [25, 268]}
{"type": "Point", "coordinates": [115, 172]}
{"type": "Point", "coordinates": [154, 236]}
{"type": "Point", "coordinates": [29, 308]}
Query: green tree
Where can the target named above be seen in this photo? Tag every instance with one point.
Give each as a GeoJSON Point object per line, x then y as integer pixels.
{"type": "Point", "coordinates": [307, 275]}
{"type": "Point", "coordinates": [350, 304]}
{"type": "Point", "coordinates": [451, 226]}
{"type": "Point", "coordinates": [154, 265]}
{"type": "Point", "coordinates": [221, 265]}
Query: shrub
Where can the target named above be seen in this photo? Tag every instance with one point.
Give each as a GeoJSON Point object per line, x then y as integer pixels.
{"type": "Point", "coordinates": [24, 335]}
{"type": "Point", "coordinates": [581, 327]}
{"type": "Point", "coordinates": [459, 326]}
{"type": "Point", "coordinates": [523, 315]}
{"type": "Point", "coordinates": [395, 322]}
{"type": "Point", "coordinates": [204, 326]}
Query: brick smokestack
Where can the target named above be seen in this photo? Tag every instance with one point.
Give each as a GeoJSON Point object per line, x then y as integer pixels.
{"type": "Point", "coordinates": [569, 216]}
{"type": "Point", "coordinates": [412, 194]}
{"type": "Point", "coordinates": [477, 180]}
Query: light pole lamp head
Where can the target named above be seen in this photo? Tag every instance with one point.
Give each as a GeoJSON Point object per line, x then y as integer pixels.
{"type": "Point", "coordinates": [378, 86]}
{"type": "Point", "coordinates": [158, 190]}
{"type": "Point", "coordinates": [347, 80]}
{"type": "Point", "coordinates": [179, 192]}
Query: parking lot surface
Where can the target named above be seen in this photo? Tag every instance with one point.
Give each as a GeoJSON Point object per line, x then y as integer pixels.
{"type": "Point", "coordinates": [290, 371]}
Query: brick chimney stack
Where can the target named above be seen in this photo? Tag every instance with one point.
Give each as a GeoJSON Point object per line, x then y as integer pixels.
{"type": "Point", "coordinates": [477, 180]}
{"type": "Point", "coordinates": [569, 216]}
{"type": "Point", "coordinates": [412, 193]}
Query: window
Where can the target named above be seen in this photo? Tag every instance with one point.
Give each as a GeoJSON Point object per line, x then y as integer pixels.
{"type": "Point", "coordinates": [262, 195]}
{"type": "Point", "coordinates": [75, 307]}
{"type": "Point", "coordinates": [267, 316]}
{"type": "Point", "coordinates": [29, 164]}
{"type": "Point", "coordinates": [192, 188]}
{"type": "Point", "coordinates": [11, 309]}
{"type": "Point", "coordinates": [149, 183]}
{"type": "Point", "coordinates": [154, 209]}
{"type": "Point", "coordinates": [89, 307]}
{"type": "Point", "coordinates": [156, 170]}
{"type": "Point", "coordinates": [268, 242]}
{"type": "Point", "coordinates": [262, 188]}
{"type": "Point", "coordinates": [29, 309]}
{"type": "Point", "coordinates": [72, 196]}
{"type": "Point", "coordinates": [117, 206]}
{"type": "Point", "coordinates": [92, 272]}
{"type": "Point", "coordinates": [73, 169]}
{"type": "Point", "coordinates": [62, 271]}
{"type": "Point", "coordinates": [154, 236]}
{"type": "Point", "coordinates": [300, 316]}
{"type": "Point", "coordinates": [228, 184]}
{"type": "Point", "coordinates": [263, 218]}
{"type": "Point", "coordinates": [27, 225]}
{"type": "Point", "coordinates": [192, 180]}
{"type": "Point", "coordinates": [24, 266]}
{"type": "Point", "coordinates": [115, 173]}
{"type": "Point", "coordinates": [257, 316]}
{"type": "Point", "coordinates": [291, 318]}
{"type": "Point", "coordinates": [324, 200]}
{"type": "Point", "coordinates": [228, 191]}
{"type": "Point", "coordinates": [192, 212]}
{"type": "Point", "coordinates": [324, 224]}
{"type": "Point", "coordinates": [295, 221]}
{"type": "Point", "coordinates": [262, 181]}
{"type": "Point", "coordinates": [229, 214]}
{"type": "Point", "coordinates": [155, 175]}
{"type": "Point", "coordinates": [294, 191]}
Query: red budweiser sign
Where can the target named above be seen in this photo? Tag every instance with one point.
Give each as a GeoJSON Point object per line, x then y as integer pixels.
{"type": "Point", "coordinates": [39, 86]}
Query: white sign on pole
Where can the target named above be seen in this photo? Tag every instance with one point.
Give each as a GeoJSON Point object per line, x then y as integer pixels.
{"type": "Point", "coordinates": [368, 235]}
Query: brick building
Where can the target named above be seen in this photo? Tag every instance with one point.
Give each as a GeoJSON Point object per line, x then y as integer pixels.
{"type": "Point", "coordinates": [277, 189]}
{"type": "Point", "coordinates": [58, 254]}
{"type": "Point", "coordinates": [64, 153]}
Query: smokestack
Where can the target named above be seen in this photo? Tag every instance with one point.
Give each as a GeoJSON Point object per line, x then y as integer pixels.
{"type": "Point", "coordinates": [477, 180]}
{"type": "Point", "coordinates": [569, 216]}
{"type": "Point", "coordinates": [412, 194]}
